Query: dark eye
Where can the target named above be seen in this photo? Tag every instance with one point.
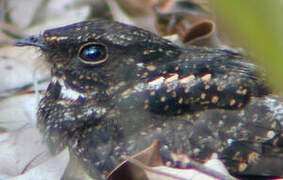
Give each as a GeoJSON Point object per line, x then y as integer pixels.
{"type": "Point", "coordinates": [93, 53]}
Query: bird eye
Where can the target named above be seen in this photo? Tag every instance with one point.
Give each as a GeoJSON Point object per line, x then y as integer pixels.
{"type": "Point", "coordinates": [93, 53]}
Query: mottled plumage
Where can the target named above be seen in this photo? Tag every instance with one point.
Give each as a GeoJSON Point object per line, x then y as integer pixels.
{"type": "Point", "coordinates": [115, 88]}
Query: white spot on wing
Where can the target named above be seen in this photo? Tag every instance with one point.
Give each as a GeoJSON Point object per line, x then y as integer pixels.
{"type": "Point", "coordinates": [156, 82]}
{"type": "Point", "coordinates": [187, 79]}
{"type": "Point", "coordinates": [230, 141]}
{"type": "Point", "coordinates": [173, 78]}
{"type": "Point", "coordinates": [140, 64]}
{"type": "Point", "coordinates": [206, 77]}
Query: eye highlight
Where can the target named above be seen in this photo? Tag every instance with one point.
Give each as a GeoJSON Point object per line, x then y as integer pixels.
{"type": "Point", "coordinates": [93, 53]}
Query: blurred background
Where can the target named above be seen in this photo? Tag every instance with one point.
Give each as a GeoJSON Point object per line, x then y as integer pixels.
{"type": "Point", "coordinates": [253, 28]}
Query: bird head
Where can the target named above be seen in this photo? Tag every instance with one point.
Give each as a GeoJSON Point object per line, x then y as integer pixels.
{"type": "Point", "coordinates": [100, 53]}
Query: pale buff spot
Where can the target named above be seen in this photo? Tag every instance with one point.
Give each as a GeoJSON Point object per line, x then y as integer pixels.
{"type": "Point", "coordinates": [240, 105]}
{"type": "Point", "coordinates": [172, 78]}
{"type": "Point", "coordinates": [206, 77]}
{"type": "Point", "coordinates": [146, 106]}
{"type": "Point", "coordinates": [145, 74]}
{"type": "Point", "coordinates": [202, 95]}
{"type": "Point", "coordinates": [152, 93]}
{"type": "Point", "coordinates": [214, 99]}
{"type": "Point", "coordinates": [204, 102]}
{"type": "Point", "coordinates": [197, 114]}
{"type": "Point", "coordinates": [143, 133]}
{"type": "Point", "coordinates": [219, 88]}
{"type": "Point", "coordinates": [186, 90]}
{"type": "Point", "coordinates": [270, 134]}
{"type": "Point", "coordinates": [253, 157]}
{"type": "Point", "coordinates": [174, 94]}
{"type": "Point", "coordinates": [148, 51]}
{"type": "Point", "coordinates": [273, 125]}
{"type": "Point", "coordinates": [232, 102]}
{"type": "Point", "coordinates": [242, 166]}
{"type": "Point", "coordinates": [151, 67]}
{"type": "Point", "coordinates": [187, 79]}
{"type": "Point", "coordinates": [206, 87]}
{"type": "Point", "coordinates": [242, 91]}
{"type": "Point", "coordinates": [164, 124]}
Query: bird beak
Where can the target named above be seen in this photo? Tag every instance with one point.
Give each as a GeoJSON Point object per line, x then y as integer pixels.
{"type": "Point", "coordinates": [36, 41]}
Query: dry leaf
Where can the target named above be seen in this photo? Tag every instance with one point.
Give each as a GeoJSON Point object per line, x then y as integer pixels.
{"type": "Point", "coordinates": [17, 149]}
{"type": "Point", "coordinates": [127, 170]}
{"type": "Point", "coordinates": [168, 173]}
{"type": "Point", "coordinates": [147, 164]}
{"type": "Point", "coordinates": [189, 20]}
{"type": "Point", "coordinates": [53, 168]}
{"type": "Point", "coordinates": [17, 66]}
{"type": "Point", "coordinates": [18, 111]}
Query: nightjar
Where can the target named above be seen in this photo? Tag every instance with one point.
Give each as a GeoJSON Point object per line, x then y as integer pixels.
{"type": "Point", "coordinates": [115, 88]}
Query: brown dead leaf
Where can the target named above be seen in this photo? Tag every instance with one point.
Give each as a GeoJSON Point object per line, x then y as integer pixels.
{"type": "Point", "coordinates": [201, 30]}
{"type": "Point", "coordinates": [127, 170]}
{"type": "Point", "coordinates": [187, 19]}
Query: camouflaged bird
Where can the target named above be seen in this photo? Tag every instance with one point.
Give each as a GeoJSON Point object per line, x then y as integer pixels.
{"type": "Point", "coordinates": [115, 88]}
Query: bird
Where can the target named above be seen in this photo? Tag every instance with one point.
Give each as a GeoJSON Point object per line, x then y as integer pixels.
{"type": "Point", "coordinates": [115, 88]}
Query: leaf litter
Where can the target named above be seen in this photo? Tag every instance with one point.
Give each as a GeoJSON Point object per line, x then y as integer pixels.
{"type": "Point", "coordinates": [23, 155]}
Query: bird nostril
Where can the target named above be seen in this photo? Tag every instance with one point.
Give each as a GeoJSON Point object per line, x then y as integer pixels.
{"type": "Point", "coordinates": [33, 39]}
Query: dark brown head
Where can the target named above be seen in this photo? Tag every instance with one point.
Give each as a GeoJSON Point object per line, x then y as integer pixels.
{"type": "Point", "coordinates": [99, 53]}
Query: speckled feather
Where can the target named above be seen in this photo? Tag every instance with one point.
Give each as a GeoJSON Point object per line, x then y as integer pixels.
{"type": "Point", "coordinates": [194, 100]}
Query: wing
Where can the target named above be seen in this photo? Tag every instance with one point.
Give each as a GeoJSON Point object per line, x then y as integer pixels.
{"type": "Point", "coordinates": [199, 80]}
